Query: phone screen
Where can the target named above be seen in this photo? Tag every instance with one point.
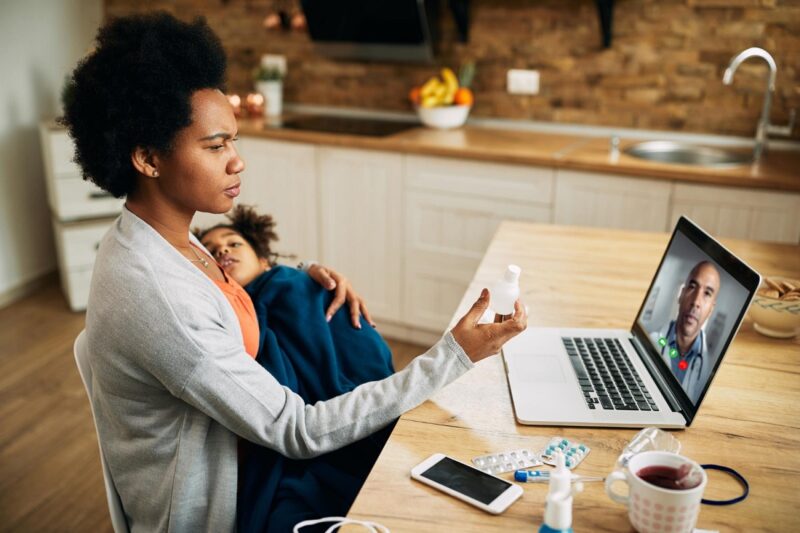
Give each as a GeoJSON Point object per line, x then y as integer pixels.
{"type": "Point", "coordinates": [466, 480]}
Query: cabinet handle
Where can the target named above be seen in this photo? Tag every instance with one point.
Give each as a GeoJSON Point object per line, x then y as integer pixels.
{"type": "Point", "coordinates": [96, 246]}
{"type": "Point", "coordinates": [100, 194]}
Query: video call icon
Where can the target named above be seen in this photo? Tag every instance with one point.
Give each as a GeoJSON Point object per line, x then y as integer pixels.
{"type": "Point", "coordinates": [673, 352]}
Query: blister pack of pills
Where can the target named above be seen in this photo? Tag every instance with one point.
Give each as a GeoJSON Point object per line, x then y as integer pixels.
{"type": "Point", "coordinates": [499, 463]}
{"type": "Point", "coordinates": [574, 452]}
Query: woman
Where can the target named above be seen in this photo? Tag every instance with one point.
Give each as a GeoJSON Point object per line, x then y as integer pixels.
{"type": "Point", "coordinates": [170, 339]}
{"type": "Point", "coordinates": [316, 356]}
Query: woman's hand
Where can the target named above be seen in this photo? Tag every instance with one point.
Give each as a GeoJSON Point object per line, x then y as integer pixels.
{"type": "Point", "coordinates": [479, 341]}
{"type": "Point", "coordinates": [332, 280]}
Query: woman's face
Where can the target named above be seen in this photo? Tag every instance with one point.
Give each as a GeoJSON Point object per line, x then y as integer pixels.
{"type": "Point", "coordinates": [201, 173]}
{"type": "Point", "coordinates": [235, 255]}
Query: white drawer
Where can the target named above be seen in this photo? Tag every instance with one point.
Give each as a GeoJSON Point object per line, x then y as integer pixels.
{"type": "Point", "coordinates": [75, 197]}
{"type": "Point", "coordinates": [498, 181]}
{"type": "Point", "coordinates": [62, 150]}
{"type": "Point", "coordinates": [76, 285]}
{"type": "Point", "coordinates": [79, 243]}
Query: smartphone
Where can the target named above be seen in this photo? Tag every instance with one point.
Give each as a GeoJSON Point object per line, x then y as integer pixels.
{"type": "Point", "coordinates": [484, 491]}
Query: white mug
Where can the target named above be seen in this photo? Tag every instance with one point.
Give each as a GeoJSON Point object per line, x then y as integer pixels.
{"type": "Point", "coordinates": [653, 509]}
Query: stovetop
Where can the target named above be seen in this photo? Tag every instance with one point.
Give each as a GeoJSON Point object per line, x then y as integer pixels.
{"type": "Point", "coordinates": [368, 127]}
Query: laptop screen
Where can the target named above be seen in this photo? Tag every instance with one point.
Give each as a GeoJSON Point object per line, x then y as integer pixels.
{"type": "Point", "coordinates": [694, 307]}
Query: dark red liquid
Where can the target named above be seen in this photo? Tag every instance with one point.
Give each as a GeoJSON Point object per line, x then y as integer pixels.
{"type": "Point", "coordinates": [665, 477]}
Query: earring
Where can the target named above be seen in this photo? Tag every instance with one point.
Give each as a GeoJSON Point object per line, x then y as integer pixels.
{"type": "Point", "coordinates": [155, 173]}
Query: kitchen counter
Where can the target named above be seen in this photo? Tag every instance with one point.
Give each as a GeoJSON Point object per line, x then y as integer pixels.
{"type": "Point", "coordinates": [778, 170]}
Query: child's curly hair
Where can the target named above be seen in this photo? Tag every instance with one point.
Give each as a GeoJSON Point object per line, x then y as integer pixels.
{"type": "Point", "coordinates": [257, 230]}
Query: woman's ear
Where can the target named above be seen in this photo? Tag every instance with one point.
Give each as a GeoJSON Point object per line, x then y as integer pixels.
{"type": "Point", "coordinates": [144, 161]}
{"type": "Point", "coordinates": [264, 263]}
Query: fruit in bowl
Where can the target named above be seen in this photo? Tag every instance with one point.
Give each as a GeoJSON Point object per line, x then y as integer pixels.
{"type": "Point", "coordinates": [444, 101]}
{"type": "Point", "coordinates": [776, 308]}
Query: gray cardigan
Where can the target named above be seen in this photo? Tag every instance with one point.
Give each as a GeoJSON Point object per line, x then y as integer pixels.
{"type": "Point", "coordinates": [173, 387]}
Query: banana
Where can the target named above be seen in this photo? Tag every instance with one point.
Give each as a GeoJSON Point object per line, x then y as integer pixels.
{"type": "Point", "coordinates": [451, 85]}
{"type": "Point", "coordinates": [429, 87]}
{"type": "Point", "coordinates": [440, 93]}
{"type": "Point", "coordinates": [429, 101]}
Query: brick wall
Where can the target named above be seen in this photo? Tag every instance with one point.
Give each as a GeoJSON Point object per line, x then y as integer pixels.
{"type": "Point", "coordinates": [663, 70]}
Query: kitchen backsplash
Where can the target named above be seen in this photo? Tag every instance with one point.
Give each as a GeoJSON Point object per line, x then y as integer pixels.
{"type": "Point", "coordinates": [663, 69]}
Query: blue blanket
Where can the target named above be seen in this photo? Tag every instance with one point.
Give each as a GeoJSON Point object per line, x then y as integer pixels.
{"type": "Point", "coordinates": [318, 360]}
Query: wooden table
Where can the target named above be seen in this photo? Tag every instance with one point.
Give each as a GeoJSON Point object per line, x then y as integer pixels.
{"type": "Point", "coordinates": [597, 278]}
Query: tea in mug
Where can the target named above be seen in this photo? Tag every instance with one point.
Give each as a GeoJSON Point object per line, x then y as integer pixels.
{"type": "Point", "coordinates": [668, 477]}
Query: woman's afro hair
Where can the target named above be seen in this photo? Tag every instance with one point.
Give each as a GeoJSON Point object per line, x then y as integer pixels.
{"type": "Point", "coordinates": [257, 230]}
{"type": "Point", "coordinates": [135, 90]}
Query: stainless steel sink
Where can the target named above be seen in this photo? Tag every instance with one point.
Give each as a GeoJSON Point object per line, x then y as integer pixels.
{"type": "Point", "coordinates": [688, 154]}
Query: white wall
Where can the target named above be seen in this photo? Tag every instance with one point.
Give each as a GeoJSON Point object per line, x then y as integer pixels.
{"type": "Point", "coordinates": [40, 42]}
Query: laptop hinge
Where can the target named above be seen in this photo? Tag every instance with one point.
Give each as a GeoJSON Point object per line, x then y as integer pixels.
{"type": "Point", "coordinates": [657, 377]}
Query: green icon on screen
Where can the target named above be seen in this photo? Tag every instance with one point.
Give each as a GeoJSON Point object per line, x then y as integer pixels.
{"type": "Point", "coordinates": [673, 352]}
{"type": "Point", "coordinates": [662, 341]}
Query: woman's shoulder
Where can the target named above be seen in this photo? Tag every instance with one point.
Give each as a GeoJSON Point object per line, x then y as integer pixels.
{"type": "Point", "coordinates": [136, 269]}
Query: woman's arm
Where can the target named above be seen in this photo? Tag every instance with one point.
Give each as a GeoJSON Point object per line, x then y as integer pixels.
{"type": "Point", "coordinates": [237, 392]}
{"type": "Point", "coordinates": [241, 395]}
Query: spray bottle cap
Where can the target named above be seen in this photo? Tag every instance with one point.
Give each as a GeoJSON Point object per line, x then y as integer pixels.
{"type": "Point", "coordinates": [512, 274]}
{"type": "Point", "coordinates": [558, 511]}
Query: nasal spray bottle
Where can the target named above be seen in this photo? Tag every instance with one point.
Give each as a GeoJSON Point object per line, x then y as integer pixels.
{"type": "Point", "coordinates": [558, 506]}
{"type": "Point", "coordinates": [505, 293]}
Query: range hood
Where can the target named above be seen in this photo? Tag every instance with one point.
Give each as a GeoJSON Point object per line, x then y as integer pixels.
{"type": "Point", "coordinates": [390, 30]}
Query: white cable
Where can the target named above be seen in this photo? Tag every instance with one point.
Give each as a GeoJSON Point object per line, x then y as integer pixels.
{"type": "Point", "coordinates": [372, 527]}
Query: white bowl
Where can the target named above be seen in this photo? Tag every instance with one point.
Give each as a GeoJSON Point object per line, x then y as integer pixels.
{"type": "Point", "coordinates": [444, 117]}
{"type": "Point", "coordinates": [776, 318]}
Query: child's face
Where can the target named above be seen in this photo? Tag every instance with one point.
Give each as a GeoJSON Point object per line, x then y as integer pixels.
{"type": "Point", "coordinates": [235, 255]}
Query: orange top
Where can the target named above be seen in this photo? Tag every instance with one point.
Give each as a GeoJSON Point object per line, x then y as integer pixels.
{"type": "Point", "coordinates": [245, 312]}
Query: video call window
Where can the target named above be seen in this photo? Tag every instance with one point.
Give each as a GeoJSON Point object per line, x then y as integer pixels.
{"type": "Point", "coordinates": [690, 313]}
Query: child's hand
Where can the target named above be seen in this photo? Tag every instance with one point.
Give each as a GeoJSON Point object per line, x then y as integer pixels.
{"type": "Point", "coordinates": [332, 280]}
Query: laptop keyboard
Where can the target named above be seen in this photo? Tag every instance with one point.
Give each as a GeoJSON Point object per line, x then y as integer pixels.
{"type": "Point", "coordinates": [606, 376]}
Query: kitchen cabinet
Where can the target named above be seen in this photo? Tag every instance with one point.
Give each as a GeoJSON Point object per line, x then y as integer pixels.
{"type": "Point", "coordinates": [452, 209]}
{"type": "Point", "coordinates": [80, 212]}
{"type": "Point", "coordinates": [409, 230]}
{"type": "Point", "coordinates": [607, 201]}
{"type": "Point", "coordinates": [739, 213]}
{"type": "Point", "coordinates": [361, 229]}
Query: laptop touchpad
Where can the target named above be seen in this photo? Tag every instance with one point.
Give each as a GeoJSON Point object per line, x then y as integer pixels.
{"type": "Point", "coordinates": [541, 369]}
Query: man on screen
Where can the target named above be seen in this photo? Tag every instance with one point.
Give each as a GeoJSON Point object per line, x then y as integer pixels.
{"type": "Point", "coordinates": [682, 342]}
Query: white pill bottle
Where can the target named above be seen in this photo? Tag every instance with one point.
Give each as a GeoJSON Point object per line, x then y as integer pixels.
{"type": "Point", "coordinates": [505, 293]}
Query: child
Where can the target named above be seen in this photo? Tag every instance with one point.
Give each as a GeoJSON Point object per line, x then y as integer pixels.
{"type": "Point", "coordinates": [314, 357]}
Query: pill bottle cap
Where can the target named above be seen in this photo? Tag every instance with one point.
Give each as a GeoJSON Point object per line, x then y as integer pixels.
{"type": "Point", "coordinates": [512, 274]}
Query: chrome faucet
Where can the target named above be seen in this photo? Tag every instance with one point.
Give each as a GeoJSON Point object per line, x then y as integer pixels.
{"type": "Point", "coordinates": [764, 127]}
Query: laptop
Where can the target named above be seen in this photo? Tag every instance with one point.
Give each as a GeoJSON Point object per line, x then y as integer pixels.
{"type": "Point", "coordinates": [658, 372]}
